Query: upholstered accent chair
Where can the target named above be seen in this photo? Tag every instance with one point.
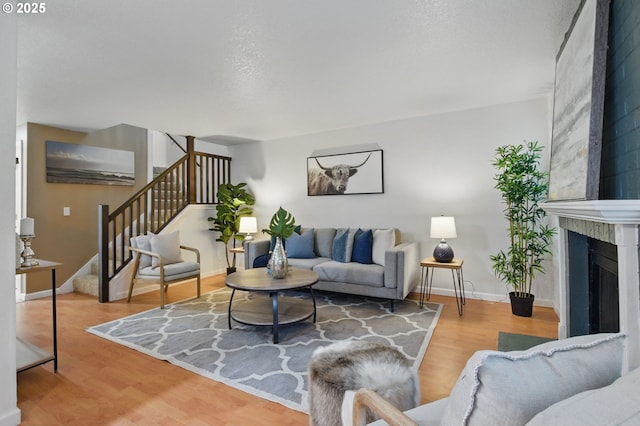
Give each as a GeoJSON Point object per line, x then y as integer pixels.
{"type": "Point", "coordinates": [158, 257]}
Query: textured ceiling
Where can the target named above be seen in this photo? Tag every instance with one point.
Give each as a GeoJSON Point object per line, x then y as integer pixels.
{"type": "Point", "coordinates": [265, 69]}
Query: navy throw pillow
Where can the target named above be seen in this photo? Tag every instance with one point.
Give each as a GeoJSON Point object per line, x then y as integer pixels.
{"type": "Point", "coordinates": [362, 246]}
{"type": "Point", "coordinates": [261, 261]}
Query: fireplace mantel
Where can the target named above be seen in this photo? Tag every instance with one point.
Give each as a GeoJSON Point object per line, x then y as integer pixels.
{"type": "Point", "coordinates": [624, 215]}
{"type": "Point", "coordinates": [623, 212]}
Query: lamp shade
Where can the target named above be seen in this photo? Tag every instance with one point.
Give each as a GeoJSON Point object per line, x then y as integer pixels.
{"type": "Point", "coordinates": [443, 227]}
{"type": "Point", "coordinates": [248, 225]}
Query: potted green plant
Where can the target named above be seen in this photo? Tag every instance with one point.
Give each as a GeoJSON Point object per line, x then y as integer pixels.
{"type": "Point", "coordinates": [234, 201]}
{"type": "Point", "coordinates": [522, 186]}
{"type": "Point", "coordinates": [281, 226]}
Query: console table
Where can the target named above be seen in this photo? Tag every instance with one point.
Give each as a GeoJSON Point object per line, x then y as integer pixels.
{"type": "Point", "coordinates": [28, 355]}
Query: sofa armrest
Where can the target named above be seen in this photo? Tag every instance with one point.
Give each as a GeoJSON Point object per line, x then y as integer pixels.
{"type": "Point", "coordinates": [253, 249]}
{"type": "Point", "coordinates": [401, 269]}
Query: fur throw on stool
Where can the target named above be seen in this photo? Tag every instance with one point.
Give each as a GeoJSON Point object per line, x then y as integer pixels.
{"type": "Point", "coordinates": [352, 365]}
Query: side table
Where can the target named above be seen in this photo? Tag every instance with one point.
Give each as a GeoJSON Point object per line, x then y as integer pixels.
{"type": "Point", "coordinates": [455, 266]}
{"type": "Point", "coordinates": [28, 355]}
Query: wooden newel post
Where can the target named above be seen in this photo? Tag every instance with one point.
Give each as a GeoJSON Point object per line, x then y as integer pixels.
{"type": "Point", "coordinates": [103, 253]}
{"type": "Point", "coordinates": [191, 169]}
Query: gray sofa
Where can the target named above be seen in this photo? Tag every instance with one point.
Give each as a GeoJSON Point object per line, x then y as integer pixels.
{"type": "Point", "coordinates": [393, 273]}
{"type": "Point", "coordinates": [573, 381]}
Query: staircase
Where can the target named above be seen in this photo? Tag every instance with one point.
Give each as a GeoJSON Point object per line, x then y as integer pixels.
{"type": "Point", "coordinates": [193, 179]}
{"type": "Point", "coordinates": [89, 283]}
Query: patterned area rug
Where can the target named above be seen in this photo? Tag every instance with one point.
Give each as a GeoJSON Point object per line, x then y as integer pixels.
{"type": "Point", "coordinates": [194, 335]}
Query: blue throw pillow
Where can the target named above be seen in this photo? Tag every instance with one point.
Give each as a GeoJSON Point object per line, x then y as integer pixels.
{"type": "Point", "coordinates": [342, 246]}
{"type": "Point", "coordinates": [300, 246]}
{"type": "Point", "coordinates": [362, 246]}
{"type": "Point", "coordinates": [261, 261]}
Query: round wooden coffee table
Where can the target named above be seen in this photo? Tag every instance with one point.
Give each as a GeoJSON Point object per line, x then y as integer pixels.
{"type": "Point", "coordinates": [282, 310]}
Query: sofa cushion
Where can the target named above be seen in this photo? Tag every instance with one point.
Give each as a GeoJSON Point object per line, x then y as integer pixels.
{"type": "Point", "coordinates": [301, 245]}
{"type": "Point", "coordinates": [383, 240]}
{"type": "Point", "coordinates": [362, 246]}
{"type": "Point", "coordinates": [306, 263]}
{"type": "Point", "coordinates": [324, 242]}
{"type": "Point", "coordinates": [167, 246]}
{"type": "Point", "coordinates": [352, 272]}
{"type": "Point", "coordinates": [342, 245]}
{"type": "Point", "coordinates": [512, 387]}
{"type": "Point", "coordinates": [616, 404]}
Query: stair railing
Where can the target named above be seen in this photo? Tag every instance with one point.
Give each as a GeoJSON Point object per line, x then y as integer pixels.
{"type": "Point", "coordinates": [154, 206]}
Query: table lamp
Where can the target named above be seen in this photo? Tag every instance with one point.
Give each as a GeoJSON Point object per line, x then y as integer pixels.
{"type": "Point", "coordinates": [443, 227]}
{"type": "Point", "coordinates": [248, 225]}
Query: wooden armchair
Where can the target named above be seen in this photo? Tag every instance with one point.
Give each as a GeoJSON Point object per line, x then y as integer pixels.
{"type": "Point", "coordinates": [367, 399]}
{"type": "Point", "coordinates": [159, 258]}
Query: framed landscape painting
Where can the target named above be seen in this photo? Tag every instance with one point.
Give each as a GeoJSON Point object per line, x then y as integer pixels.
{"type": "Point", "coordinates": [75, 163]}
{"type": "Point", "coordinates": [343, 174]}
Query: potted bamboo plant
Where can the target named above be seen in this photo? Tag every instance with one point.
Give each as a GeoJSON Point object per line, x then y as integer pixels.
{"type": "Point", "coordinates": [522, 186]}
{"type": "Point", "coordinates": [234, 202]}
{"type": "Point", "coordinates": [281, 226]}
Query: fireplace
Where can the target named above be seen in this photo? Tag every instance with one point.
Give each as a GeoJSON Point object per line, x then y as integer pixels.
{"type": "Point", "coordinates": [597, 267]}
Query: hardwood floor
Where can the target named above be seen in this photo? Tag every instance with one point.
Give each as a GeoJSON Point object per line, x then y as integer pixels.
{"type": "Point", "coordinates": [103, 383]}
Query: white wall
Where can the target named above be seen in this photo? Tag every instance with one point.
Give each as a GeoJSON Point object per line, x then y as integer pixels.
{"type": "Point", "coordinates": [433, 165]}
{"type": "Point", "coordinates": [9, 412]}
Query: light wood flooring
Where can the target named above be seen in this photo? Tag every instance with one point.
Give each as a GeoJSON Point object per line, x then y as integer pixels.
{"type": "Point", "coordinates": [103, 383]}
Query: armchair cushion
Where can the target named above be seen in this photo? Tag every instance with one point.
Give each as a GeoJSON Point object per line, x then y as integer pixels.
{"type": "Point", "coordinates": [167, 246]}
{"type": "Point", "coordinates": [172, 271]}
{"type": "Point", "coordinates": [512, 387]}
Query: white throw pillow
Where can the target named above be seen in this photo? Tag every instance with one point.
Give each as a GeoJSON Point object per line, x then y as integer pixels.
{"type": "Point", "coordinates": [167, 246]}
{"type": "Point", "coordinates": [142, 242]}
{"type": "Point", "coordinates": [383, 240]}
{"type": "Point", "coordinates": [510, 388]}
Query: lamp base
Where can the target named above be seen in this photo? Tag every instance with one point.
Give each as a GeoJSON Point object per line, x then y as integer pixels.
{"type": "Point", "coordinates": [443, 252]}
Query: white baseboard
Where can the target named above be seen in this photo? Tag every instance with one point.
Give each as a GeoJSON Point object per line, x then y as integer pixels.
{"type": "Point", "coordinates": [11, 417]}
{"type": "Point", "coordinates": [488, 297]}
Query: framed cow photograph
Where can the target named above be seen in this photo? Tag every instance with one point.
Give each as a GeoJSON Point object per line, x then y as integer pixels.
{"type": "Point", "coordinates": [344, 174]}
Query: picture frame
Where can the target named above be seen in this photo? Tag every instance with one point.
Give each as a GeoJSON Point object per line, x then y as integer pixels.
{"type": "Point", "coordinates": [358, 172]}
{"type": "Point", "coordinates": [85, 164]}
{"type": "Point", "coordinates": [578, 107]}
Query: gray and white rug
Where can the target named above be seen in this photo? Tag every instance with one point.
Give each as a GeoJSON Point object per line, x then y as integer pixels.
{"type": "Point", "coordinates": [194, 335]}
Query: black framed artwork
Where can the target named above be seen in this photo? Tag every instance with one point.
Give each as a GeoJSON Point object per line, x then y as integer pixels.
{"type": "Point", "coordinates": [357, 172]}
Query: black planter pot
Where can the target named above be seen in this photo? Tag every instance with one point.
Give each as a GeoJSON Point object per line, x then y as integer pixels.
{"type": "Point", "coordinates": [521, 306]}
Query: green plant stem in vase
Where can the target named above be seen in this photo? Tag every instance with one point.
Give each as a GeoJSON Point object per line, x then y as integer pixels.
{"type": "Point", "coordinates": [281, 226]}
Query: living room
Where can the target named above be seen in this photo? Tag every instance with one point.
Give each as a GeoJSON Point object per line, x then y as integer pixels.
{"type": "Point", "coordinates": [419, 182]}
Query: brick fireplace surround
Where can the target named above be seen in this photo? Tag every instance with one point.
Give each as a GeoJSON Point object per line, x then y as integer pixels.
{"type": "Point", "coordinates": [614, 221]}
